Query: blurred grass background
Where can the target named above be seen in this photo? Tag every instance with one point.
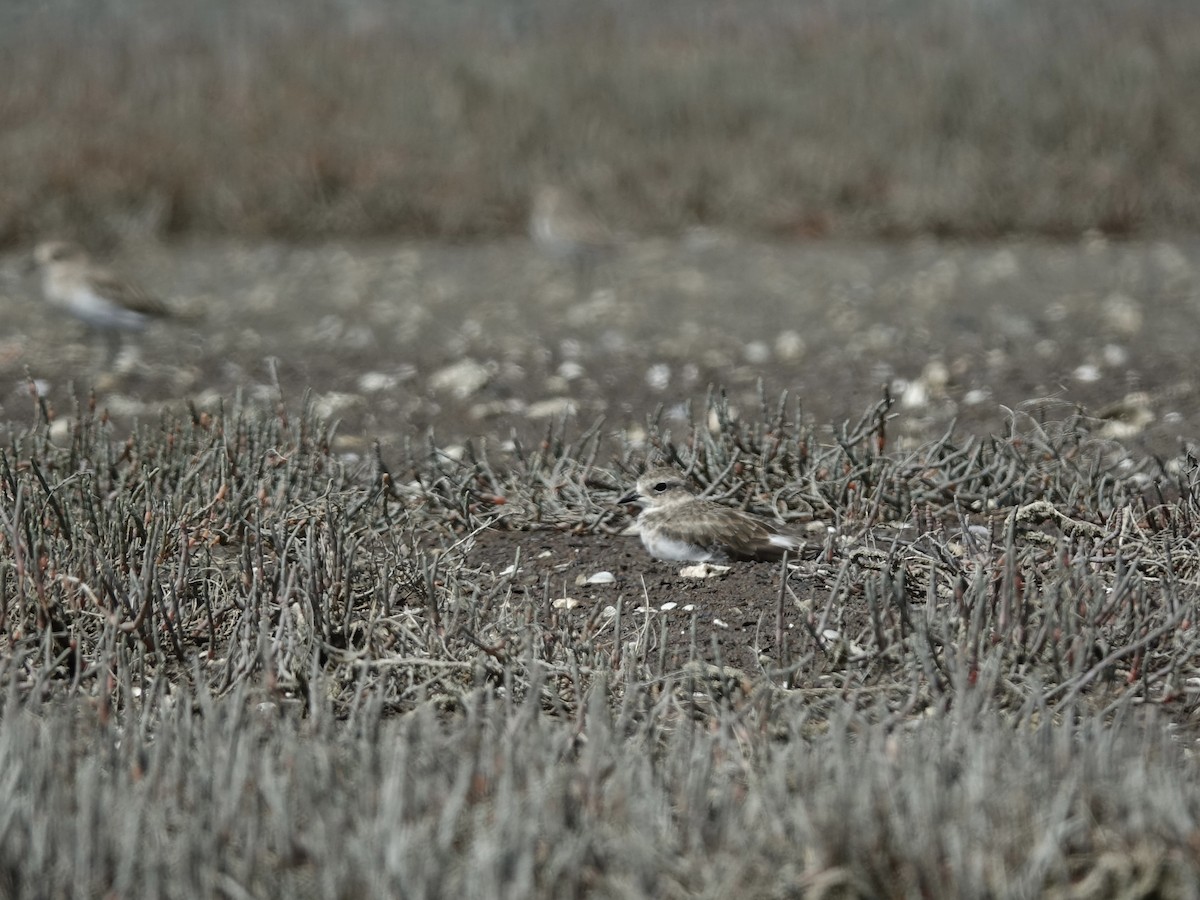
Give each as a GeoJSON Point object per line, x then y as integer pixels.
{"type": "Point", "coordinates": [311, 118]}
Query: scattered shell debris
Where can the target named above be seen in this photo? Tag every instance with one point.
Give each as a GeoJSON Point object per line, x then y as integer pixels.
{"type": "Point", "coordinates": [658, 377]}
{"type": "Point", "coordinates": [668, 606]}
{"type": "Point", "coordinates": [565, 603]}
{"type": "Point", "coordinates": [1046, 348]}
{"type": "Point", "coordinates": [461, 379]}
{"type": "Point", "coordinates": [979, 532]}
{"type": "Point", "coordinates": [374, 382]}
{"type": "Point", "coordinates": [490, 410]}
{"type": "Point", "coordinates": [715, 422]}
{"type": "Point", "coordinates": [550, 408]}
{"type": "Point", "coordinates": [599, 307]}
{"type": "Point", "coordinates": [703, 570]}
{"type": "Point", "coordinates": [936, 375]}
{"type": "Point", "coordinates": [789, 345]}
{"type": "Point", "coordinates": [604, 577]}
{"type": "Point", "coordinates": [1122, 314]}
{"type": "Point", "coordinates": [1115, 355]}
{"type": "Point", "coordinates": [757, 353]}
{"type": "Point", "coordinates": [930, 384]}
{"type": "Point", "coordinates": [333, 403]}
{"type": "Point", "coordinates": [570, 370]}
{"type": "Point", "coordinates": [350, 447]}
{"type": "Point", "coordinates": [124, 405]}
{"type": "Point", "coordinates": [913, 395]}
{"type": "Point", "coordinates": [834, 638]}
{"type": "Point", "coordinates": [635, 436]}
{"type": "Point", "coordinates": [61, 428]}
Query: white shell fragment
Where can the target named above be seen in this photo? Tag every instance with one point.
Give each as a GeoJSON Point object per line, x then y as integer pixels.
{"type": "Point", "coordinates": [566, 603]}
{"type": "Point", "coordinates": [374, 382]}
{"type": "Point", "coordinates": [703, 570]}
{"type": "Point", "coordinates": [462, 379]}
{"type": "Point", "coordinates": [789, 345]}
{"type": "Point", "coordinates": [551, 408]}
{"type": "Point", "coordinates": [601, 577]}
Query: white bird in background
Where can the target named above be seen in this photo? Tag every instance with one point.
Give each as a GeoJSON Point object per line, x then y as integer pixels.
{"type": "Point", "coordinates": [562, 229]}
{"type": "Point", "coordinates": [93, 294]}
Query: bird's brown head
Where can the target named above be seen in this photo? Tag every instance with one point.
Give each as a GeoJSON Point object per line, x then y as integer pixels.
{"type": "Point", "coordinates": [658, 486]}
{"type": "Point", "coordinates": [49, 252]}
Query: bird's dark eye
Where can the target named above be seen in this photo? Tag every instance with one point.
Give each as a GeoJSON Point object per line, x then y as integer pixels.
{"type": "Point", "coordinates": [660, 487]}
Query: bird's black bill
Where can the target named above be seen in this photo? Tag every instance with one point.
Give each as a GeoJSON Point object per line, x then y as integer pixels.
{"type": "Point", "coordinates": [631, 497]}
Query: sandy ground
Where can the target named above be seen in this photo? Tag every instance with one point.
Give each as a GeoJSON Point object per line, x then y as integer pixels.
{"type": "Point", "coordinates": [488, 339]}
{"type": "Point", "coordinates": [492, 341]}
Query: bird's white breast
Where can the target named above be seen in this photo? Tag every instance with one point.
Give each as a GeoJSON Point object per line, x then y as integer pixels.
{"type": "Point", "coordinates": [100, 312]}
{"type": "Point", "coordinates": [663, 547]}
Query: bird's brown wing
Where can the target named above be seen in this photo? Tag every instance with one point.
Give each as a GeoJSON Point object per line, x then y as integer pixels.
{"type": "Point", "coordinates": [730, 533]}
{"type": "Point", "coordinates": [127, 295]}
{"type": "Point", "coordinates": [578, 224]}
{"type": "Point", "coordinates": [751, 539]}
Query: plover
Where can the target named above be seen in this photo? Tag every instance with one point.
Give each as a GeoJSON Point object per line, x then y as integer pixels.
{"type": "Point", "coordinates": [677, 525]}
{"type": "Point", "coordinates": [92, 293]}
{"type": "Point", "coordinates": [564, 230]}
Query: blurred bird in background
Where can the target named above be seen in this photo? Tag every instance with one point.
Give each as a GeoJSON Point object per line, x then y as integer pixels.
{"type": "Point", "coordinates": [563, 229]}
{"type": "Point", "coordinates": [95, 295]}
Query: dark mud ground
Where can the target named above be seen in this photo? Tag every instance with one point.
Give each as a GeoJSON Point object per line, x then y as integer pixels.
{"type": "Point", "coordinates": [491, 341]}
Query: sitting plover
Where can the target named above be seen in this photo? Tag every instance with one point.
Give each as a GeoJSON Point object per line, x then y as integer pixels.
{"type": "Point", "coordinates": [563, 229]}
{"type": "Point", "coordinates": [677, 525]}
{"type": "Point", "coordinates": [92, 293]}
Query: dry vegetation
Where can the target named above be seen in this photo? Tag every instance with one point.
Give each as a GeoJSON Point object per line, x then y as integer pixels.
{"type": "Point", "coordinates": [311, 118]}
{"type": "Point", "coordinates": [241, 662]}
{"type": "Point", "coordinates": [237, 666]}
